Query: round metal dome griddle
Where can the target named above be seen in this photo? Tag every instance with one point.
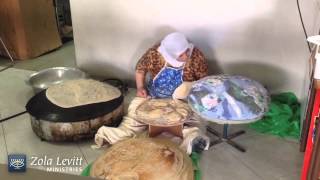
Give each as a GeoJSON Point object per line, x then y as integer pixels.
{"type": "Point", "coordinates": [41, 108]}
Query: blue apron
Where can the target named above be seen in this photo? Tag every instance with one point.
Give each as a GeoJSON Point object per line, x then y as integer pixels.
{"type": "Point", "coordinates": [165, 82]}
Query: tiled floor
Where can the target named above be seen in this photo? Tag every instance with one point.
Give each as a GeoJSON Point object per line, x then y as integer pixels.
{"type": "Point", "coordinates": [3, 147]}
{"type": "Point", "coordinates": [64, 56]}
{"type": "Point", "coordinates": [267, 157]}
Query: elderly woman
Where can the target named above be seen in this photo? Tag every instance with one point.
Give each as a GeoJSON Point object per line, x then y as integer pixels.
{"type": "Point", "coordinates": [170, 64]}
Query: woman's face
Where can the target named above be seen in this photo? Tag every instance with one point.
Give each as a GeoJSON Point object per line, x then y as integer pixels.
{"type": "Point", "coordinates": [184, 56]}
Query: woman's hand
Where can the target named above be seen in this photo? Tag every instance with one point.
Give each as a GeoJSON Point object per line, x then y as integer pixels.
{"type": "Point", "coordinates": [142, 92]}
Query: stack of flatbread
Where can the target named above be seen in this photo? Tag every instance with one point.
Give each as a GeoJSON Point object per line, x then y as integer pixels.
{"type": "Point", "coordinates": [163, 112]}
{"type": "Point", "coordinates": [143, 159]}
{"type": "Point", "coordinates": [81, 92]}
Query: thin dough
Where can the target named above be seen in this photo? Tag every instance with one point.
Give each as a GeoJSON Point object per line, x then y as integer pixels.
{"type": "Point", "coordinates": [81, 92]}
{"type": "Point", "coordinates": [163, 112]}
{"type": "Point", "coordinates": [143, 159]}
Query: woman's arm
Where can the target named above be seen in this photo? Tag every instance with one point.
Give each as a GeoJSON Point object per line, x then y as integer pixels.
{"type": "Point", "coordinates": [142, 67]}
{"type": "Point", "coordinates": [140, 79]}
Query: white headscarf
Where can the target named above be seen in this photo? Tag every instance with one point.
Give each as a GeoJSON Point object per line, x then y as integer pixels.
{"type": "Point", "coordinates": [172, 46]}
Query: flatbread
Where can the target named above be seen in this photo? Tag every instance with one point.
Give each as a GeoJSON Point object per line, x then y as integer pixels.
{"type": "Point", "coordinates": [81, 92]}
{"type": "Point", "coordinates": [163, 112]}
{"type": "Point", "coordinates": [143, 159]}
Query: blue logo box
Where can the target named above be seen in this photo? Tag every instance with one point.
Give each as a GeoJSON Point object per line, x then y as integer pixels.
{"type": "Point", "coordinates": [17, 162]}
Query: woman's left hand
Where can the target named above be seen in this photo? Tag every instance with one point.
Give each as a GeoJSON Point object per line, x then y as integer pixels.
{"type": "Point", "coordinates": [142, 92]}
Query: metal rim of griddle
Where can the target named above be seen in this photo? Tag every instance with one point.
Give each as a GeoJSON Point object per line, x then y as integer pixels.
{"type": "Point", "coordinates": [39, 87]}
{"type": "Point", "coordinates": [40, 107]}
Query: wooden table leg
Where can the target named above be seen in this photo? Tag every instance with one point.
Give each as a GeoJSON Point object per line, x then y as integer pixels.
{"type": "Point", "coordinates": [156, 130]}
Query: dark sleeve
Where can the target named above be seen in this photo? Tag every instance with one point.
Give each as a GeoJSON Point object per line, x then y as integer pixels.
{"type": "Point", "coordinates": [200, 65]}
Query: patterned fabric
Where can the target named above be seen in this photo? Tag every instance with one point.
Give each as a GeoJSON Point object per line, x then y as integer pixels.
{"type": "Point", "coordinates": [228, 98]}
{"type": "Point", "coordinates": [152, 61]}
{"type": "Point", "coordinates": [164, 84]}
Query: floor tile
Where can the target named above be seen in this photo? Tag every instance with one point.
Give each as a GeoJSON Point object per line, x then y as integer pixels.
{"type": "Point", "coordinates": [271, 157]}
{"type": "Point", "coordinates": [3, 148]}
{"type": "Point", "coordinates": [19, 130]}
{"type": "Point", "coordinates": [63, 56]}
{"type": "Point", "coordinates": [89, 153]}
{"type": "Point", "coordinates": [232, 129]}
{"type": "Point", "coordinates": [25, 141]}
{"type": "Point", "coordinates": [14, 93]}
{"type": "Point", "coordinates": [17, 124]}
{"type": "Point", "coordinates": [219, 164]}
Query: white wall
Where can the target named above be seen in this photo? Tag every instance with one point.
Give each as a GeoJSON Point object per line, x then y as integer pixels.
{"type": "Point", "coordinates": [310, 10]}
{"type": "Point", "coordinates": [261, 39]}
{"type": "Point", "coordinates": [311, 15]}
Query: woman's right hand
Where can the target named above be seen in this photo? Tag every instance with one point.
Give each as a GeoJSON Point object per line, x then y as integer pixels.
{"type": "Point", "coordinates": [142, 92]}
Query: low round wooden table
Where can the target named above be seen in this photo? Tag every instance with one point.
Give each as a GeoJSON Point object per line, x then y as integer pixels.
{"type": "Point", "coordinates": [157, 130]}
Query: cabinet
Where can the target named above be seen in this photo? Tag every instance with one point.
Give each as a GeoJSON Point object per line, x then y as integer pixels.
{"type": "Point", "coordinates": [28, 28]}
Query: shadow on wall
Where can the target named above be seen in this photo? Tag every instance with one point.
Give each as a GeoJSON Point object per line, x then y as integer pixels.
{"type": "Point", "coordinates": [200, 39]}
{"type": "Point", "coordinates": [272, 77]}
{"type": "Point", "coordinates": [101, 72]}
{"type": "Point", "coordinates": [150, 41]}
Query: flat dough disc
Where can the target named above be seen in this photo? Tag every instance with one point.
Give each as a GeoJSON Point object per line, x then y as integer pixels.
{"type": "Point", "coordinates": [143, 159]}
{"type": "Point", "coordinates": [81, 92]}
{"type": "Point", "coordinates": [163, 112]}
